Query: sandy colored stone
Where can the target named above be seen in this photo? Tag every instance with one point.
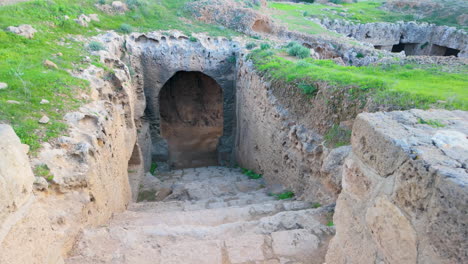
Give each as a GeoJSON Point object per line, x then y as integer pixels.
{"type": "Point", "coordinates": [3, 85]}
{"type": "Point", "coordinates": [44, 101]}
{"type": "Point", "coordinates": [16, 176]}
{"type": "Point", "coordinates": [12, 102]}
{"type": "Point", "coordinates": [26, 31]}
{"type": "Point", "coordinates": [247, 248]}
{"type": "Point", "coordinates": [44, 120]}
{"type": "Point", "coordinates": [298, 243]}
{"type": "Point", "coordinates": [49, 64]}
{"type": "Point", "coordinates": [392, 231]}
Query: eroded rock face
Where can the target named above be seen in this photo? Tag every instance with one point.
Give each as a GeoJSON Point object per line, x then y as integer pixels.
{"type": "Point", "coordinates": [413, 38]}
{"type": "Point", "coordinates": [16, 176]}
{"type": "Point", "coordinates": [281, 142]}
{"type": "Point", "coordinates": [405, 191]}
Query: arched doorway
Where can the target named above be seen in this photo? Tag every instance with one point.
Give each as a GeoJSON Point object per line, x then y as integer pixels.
{"type": "Point", "coordinates": [191, 112]}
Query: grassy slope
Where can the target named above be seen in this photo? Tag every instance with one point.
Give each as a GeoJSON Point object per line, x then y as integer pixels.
{"type": "Point", "coordinates": [21, 59]}
{"type": "Point", "coordinates": [408, 86]}
{"type": "Point", "coordinates": [361, 12]}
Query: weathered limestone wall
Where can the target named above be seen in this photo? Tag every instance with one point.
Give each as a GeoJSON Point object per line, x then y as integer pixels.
{"type": "Point", "coordinates": [405, 190]}
{"type": "Point", "coordinates": [89, 167]}
{"type": "Point", "coordinates": [422, 39]}
{"type": "Point", "coordinates": [282, 145]}
{"type": "Point", "coordinates": [156, 57]}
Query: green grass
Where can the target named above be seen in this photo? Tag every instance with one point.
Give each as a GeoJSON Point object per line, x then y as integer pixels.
{"type": "Point", "coordinates": [316, 205]}
{"type": "Point", "coordinates": [284, 195]}
{"type": "Point", "coordinates": [21, 59]}
{"type": "Point", "coordinates": [153, 168]}
{"type": "Point", "coordinates": [337, 137]}
{"type": "Point", "coordinates": [431, 122]}
{"type": "Point", "coordinates": [330, 223]}
{"type": "Point", "coordinates": [361, 12]}
{"type": "Point", "coordinates": [251, 174]}
{"type": "Point", "coordinates": [43, 171]}
{"type": "Point", "coordinates": [407, 86]}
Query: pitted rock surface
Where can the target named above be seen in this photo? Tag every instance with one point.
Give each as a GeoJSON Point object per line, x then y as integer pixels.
{"type": "Point", "coordinates": [214, 215]}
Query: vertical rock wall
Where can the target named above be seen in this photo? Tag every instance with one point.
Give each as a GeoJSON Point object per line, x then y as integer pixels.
{"type": "Point", "coordinates": [279, 144]}
{"type": "Point", "coordinates": [405, 190]}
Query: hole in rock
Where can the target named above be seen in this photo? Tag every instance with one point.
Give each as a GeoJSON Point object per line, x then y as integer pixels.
{"type": "Point", "coordinates": [261, 26]}
{"type": "Point", "coordinates": [191, 114]}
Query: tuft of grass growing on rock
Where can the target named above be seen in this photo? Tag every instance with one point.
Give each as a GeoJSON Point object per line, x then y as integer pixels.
{"type": "Point", "coordinates": [265, 46]}
{"type": "Point", "coordinates": [96, 46]}
{"type": "Point", "coordinates": [125, 28]}
{"type": "Point", "coordinates": [431, 122]}
{"type": "Point", "coordinates": [43, 171]}
{"type": "Point", "coordinates": [330, 223]}
{"type": "Point", "coordinates": [250, 45]}
{"type": "Point", "coordinates": [153, 168]}
{"type": "Point", "coordinates": [316, 205]}
{"type": "Point", "coordinates": [193, 39]}
{"type": "Point", "coordinates": [284, 195]}
{"type": "Point", "coordinates": [251, 174]}
{"type": "Point", "coordinates": [337, 137]}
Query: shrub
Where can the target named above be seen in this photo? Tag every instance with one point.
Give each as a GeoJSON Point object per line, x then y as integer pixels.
{"type": "Point", "coordinates": [102, 2]}
{"type": "Point", "coordinates": [232, 59]}
{"type": "Point", "coordinates": [308, 89]}
{"type": "Point", "coordinates": [132, 4]}
{"type": "Point", "coordinates": [284, 195]}
{"type": "Point", "coordinates": [126, 28]}
{"type": "Point", "coordinates": [153, 168]}
{"type": "Point", "coordinates": [250, 45]}
{"type": "Point", "coordinates": [265, 46]}
{"type": "Point", "coordinates": [297, 50]}
{"type": "Point", "coordinates": [360, 55]}
{"type": "Point", "coordinates": [193, 39]}
{"type": "Point", "coordinates": [96, 46]}
{"type": "Point", "coordinates": [316, 205]}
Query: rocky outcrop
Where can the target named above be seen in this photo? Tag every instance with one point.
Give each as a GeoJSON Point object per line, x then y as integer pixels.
{"type": "Point", "coordinates": [16, 177]}
{"type": "Point", "coordinates": [405, 190]}
{"type": "Point", "coordinates": [87, 169]}
{"type": "Point", "coordinates": [26, 31]}
{"type": "Point", "coordinates": [425, 39]}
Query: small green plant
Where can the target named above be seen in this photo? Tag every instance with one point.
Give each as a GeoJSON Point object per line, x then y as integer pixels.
{"type": "Point", "coordinates": [43, 171]}
{"type": "Point", "coordinates": [232, 59]}
{"type": "Point", "coordinates": [251, 174]}
{"type": "Point", "coordinates": [284, 195]}
{"type": "Point", "coordinates": [96, 46]}
{"type": "Point", "coordinates": [330, 223]}
{"type": "Point", "coordinates": [193, 39]}
{"type": "Point", "coordinates": [316, 205]}
{"type": "Point", "coordinates": [431, 122]}
{"type": "Point", "coordinates": [125, 28]}
{"type": "Point", "coordinates": [133, 4]}
{"type": "Point", "coordinates": [297, 50]}
{"type": "Point", "coordinates": [308, 89]}
{"type": "Point", "coordinates": [153, 168]}
{"type": "Point", "coordinates": [250, 45]}
{"type": "Point", "coordinates": [360, 55]}
{"type": "Point", "coordinates": [337, 137]}
{"type": "Point", "coordinates": [265, 46]}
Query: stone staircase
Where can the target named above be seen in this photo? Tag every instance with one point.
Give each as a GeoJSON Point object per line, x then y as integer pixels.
{"type": "Point", "coordinates": [212, 215]}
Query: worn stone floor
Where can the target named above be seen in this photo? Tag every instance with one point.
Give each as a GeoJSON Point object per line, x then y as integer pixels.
{"type": "Point", "coordinates": [214, 215]}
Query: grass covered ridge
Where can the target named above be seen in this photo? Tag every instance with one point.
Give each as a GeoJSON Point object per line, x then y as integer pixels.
{"type": "Point", "coordinates": [21, 59]}
{"type": "Point", "coordinates": [366, 12]}
{"type": "Point", "coordinates": [407, 86]}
